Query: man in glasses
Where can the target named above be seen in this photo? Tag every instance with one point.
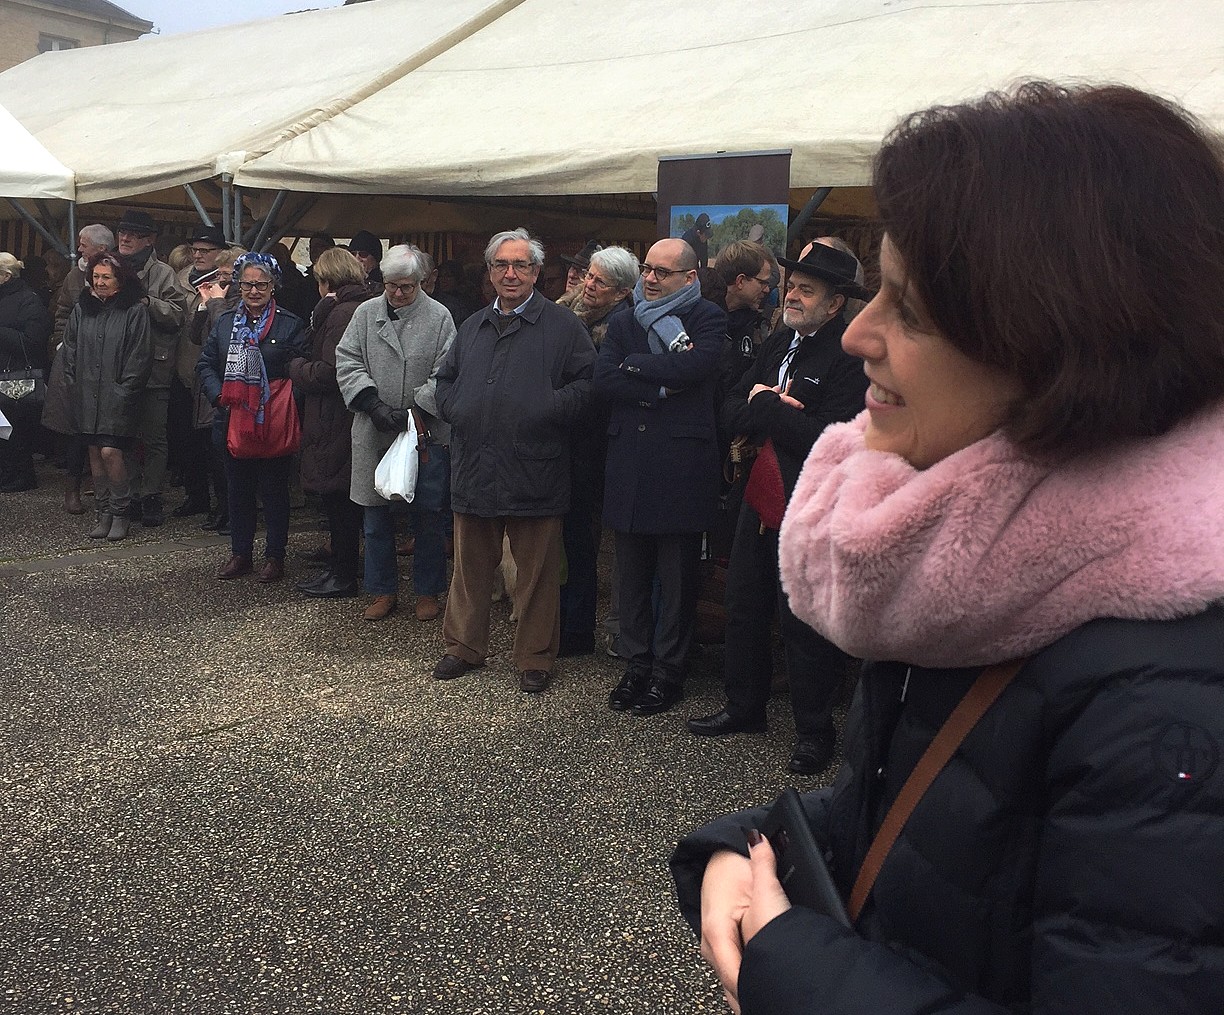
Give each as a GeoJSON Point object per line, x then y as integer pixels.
{"type": "Point", "coordinates": [514, 386]}
{"type": "Point", "coordinates": [167, 303]}
{"type": "Point", "coordinates": [749, 271]}
{"type": "Point", "coordinates": [657, 369]}
{"type": "Point", "coordinates": [189, 446]}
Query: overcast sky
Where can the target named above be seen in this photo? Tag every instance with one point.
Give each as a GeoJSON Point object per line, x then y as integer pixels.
{"type": "Point", "coordinates": [171, 17]}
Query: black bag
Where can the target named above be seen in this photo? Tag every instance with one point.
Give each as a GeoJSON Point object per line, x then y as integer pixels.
{"type": "Point", "coordinates": [23, 392]}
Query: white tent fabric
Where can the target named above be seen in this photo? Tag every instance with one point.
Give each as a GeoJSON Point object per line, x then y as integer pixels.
{"type": "Point", "coordinates": [27, 169]}
{"type": "Point", "coordinates": [139, 116]}
{"type": "Point", "coordinates": [583, 96]}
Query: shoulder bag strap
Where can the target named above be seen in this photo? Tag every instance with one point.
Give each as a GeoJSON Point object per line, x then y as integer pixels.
{"type": "Point", "coordinates": [988, 686]}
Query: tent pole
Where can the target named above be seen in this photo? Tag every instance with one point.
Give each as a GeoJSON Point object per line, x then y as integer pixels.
{"type": "Point", "coordinates": [54, 241]}
{"type": "Point", "coordinates": [309, 203]}
{"type": "Point", "coordinates": [237, 209]}
{"type": "Point", "coordinates": [809, 209]}
{"type": "Point", "coordinates": [72, 226]}
{"type": "Point", "coordinates": [227, 220]}
{"type": "Point", "coordinates": [269, 220]}
{"type": "Point", "coordinates": [204, 216]}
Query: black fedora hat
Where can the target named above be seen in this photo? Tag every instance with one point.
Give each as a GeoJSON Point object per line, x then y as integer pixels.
{"type": "Point", "coordinates": [582, 259]}
{"type": "Point", "coordinates": [829, 265]}
{"type": "Point", "coordinates": [136, 221]}
{"type": "Point", "coordinates": [208, 234]}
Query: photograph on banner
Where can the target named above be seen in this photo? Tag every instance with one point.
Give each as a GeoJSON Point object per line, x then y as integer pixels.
{"type": "Point", "coordinates": [721, 224]}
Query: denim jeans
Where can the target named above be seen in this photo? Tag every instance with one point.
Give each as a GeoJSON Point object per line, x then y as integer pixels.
{"type": "Point", "coordinates": [428, 512]}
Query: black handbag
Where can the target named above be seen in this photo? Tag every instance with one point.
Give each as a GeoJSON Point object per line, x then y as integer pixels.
{"type": "Point", "coordinates": [23, 392]}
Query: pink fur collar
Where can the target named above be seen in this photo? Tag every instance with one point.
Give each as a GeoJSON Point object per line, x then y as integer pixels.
{"type": "Point", "coordinates": [986, 557]}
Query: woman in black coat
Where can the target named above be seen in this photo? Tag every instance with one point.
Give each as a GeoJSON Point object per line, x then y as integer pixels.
{"type": "Point", "coordinates": [327, 424]}
{"type": "Point", "coordinates": [247, 351]}
{"type": "Point", "coordinates": [1029, 507]}
{"type": "Point", "coordinates": [25, 326]}
{"type": "Point", "coordinates": [108, 357]}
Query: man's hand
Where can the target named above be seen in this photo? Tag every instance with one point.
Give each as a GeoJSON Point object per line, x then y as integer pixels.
{"type": "Point", "coordinates": [758, 388]}
{"type": "Point", "coordinates": [726, 891]}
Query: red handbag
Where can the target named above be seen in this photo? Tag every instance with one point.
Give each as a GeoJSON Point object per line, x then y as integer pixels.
{"type": "Point", "coordinates": [278, 435]}
{"type": "Point", "coordinates": [765, 492]}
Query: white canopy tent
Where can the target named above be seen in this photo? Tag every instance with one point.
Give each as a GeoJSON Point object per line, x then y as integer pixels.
{"type": "Point", "coordinates": [27, 169]}
{"type": "Point", "coordinates": [584, 96]}
{"type": "Point", "coordinates": [163, 111]}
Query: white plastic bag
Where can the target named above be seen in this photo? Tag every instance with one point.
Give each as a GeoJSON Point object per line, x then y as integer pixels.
{"type": "Point", "coordinates": [396, 474]}
{"type": "Point", "coordinates": [6, 428]}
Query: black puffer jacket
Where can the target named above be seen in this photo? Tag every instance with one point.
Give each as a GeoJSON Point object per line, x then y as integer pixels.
{"type": "Point", "coordinates": [1068, 859]}
{"type": "Point", "coordinates": [25, 326]}
{"type": "Point", "coordinates": [108, 357]}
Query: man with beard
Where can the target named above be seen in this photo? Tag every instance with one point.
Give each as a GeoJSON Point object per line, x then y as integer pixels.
{"type": "Point", "coordinates": [167, 303]}
{"type": "Point", "coordinates": [800, 383]}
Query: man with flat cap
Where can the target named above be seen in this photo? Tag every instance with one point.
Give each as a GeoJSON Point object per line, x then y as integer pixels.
{"type": "Point", "coordinates": [576, 267]}
{"type": "Point", "coordinates": [167, 303]}
{"type": "Point", "coordinates": [368, 249]}
{"type": "Point", "coordinates": [800, 383]}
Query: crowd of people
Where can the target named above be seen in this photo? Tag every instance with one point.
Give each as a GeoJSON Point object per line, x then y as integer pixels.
{"type": "Point", "coordinates": [547, 410]}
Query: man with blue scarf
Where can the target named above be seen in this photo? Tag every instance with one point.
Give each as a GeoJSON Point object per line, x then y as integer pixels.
{"type": "Point", "coordinates": [657, 369]}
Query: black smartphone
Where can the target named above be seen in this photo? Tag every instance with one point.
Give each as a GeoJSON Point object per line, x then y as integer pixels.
{"type": "Point", "coordinates": [802, 869]}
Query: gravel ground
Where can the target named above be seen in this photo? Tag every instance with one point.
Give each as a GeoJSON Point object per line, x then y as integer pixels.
{"type": "Point", "coordinates": [223, 797]}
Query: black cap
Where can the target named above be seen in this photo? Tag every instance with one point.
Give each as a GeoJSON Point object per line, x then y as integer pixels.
{"type": "Point", "coordinates": [365, 242]}
{"type": "Point", "coordinates": [582, 259]}
{"type": "Point", "coordinates": [830, 265]}
{"type": "Point", "coordinates": [703, 223]}
{"type": "Point", "coordinates": [136, 221]}
{"type": "Point", "coordinates": [208, 234]}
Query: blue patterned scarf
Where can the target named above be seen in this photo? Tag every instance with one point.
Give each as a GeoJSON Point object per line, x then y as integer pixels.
{"type": "Point", "coordinates": [244, 387]}
{"type": "Point", "coordinates": [660, 317]}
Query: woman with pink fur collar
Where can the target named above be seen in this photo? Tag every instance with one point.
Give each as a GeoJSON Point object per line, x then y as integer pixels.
{"type": "Point", "coordinates": [1038, 476]}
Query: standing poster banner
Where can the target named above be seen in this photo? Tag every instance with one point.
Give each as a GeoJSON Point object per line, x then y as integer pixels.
{"type": "Point", "coordinates": [712, 200]}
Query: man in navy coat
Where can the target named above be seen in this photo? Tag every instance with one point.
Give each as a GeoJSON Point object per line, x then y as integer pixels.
{"type": "Point", "coordinates": [657, 369]}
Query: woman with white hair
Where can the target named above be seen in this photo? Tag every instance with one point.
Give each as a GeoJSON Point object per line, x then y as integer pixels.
{"type": "Point", "coordinates": [243, 368]}
{"type": "Point", "coordinates": [604, 289]}
{"type": "Point", "coordinates": [25, 326]}
{"type": "Point", "coordinates": [386, 365]}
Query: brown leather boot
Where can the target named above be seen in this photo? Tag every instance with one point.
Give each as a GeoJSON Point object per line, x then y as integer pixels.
{"type": "Point", "coordinates": [427, 608]}
{"type": "Point", "coordinates": [235, 567]}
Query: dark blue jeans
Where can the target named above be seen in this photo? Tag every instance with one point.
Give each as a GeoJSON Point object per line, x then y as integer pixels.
{"type": "Point", "coordinates": [269, 478]}
{"type": "Point", "coordinates": [429, 507]}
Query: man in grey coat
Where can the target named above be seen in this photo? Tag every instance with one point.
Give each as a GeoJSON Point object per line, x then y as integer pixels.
{"type": "Point", "coordinates": [513, 387]}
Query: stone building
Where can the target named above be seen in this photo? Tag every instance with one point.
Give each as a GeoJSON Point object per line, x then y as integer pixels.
{"type": "Point", "coordinates": [30, 27]}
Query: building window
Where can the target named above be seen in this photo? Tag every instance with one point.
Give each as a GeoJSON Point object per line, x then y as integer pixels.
{"type": "Point", "coordinates": [53, 43]}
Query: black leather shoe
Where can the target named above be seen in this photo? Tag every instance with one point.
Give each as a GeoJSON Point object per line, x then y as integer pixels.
{"type": "Point", "coordinates": [534, 681]}
{"type": "Point", "coordinates": [190, 507]}
{"type": "Point", "coordinates": [812, 755]}
{"type": "Point", "coordinates": [152, 514]}
{"type": "Point", "coordinates": [450, 667]}
{"type": "Point", "coordinates": [659, 697]}
{"type": "Point", "coordinates": [723, 724]}
{"type": "Point", "coordinates": [625, 694]}
{"type": "Point", "coordinates": [328, 586]}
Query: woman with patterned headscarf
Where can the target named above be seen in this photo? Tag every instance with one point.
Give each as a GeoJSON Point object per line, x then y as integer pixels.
{"type": "Point", "coordinates": [247, 352]}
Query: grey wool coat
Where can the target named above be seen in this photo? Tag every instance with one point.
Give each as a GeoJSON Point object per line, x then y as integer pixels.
{"type": "Point", "coordinates": [399, 358]}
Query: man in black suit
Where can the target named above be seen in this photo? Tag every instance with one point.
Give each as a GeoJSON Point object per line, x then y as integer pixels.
{"type": "Point", "coordinates": [800, 382]}
{"type": "Point", "coordinates": [657, 368]}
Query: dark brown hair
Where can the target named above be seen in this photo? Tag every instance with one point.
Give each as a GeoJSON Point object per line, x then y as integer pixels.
{"type": "Point", "coordinates": [1073, 238]}
{"type": "Point", "coordinates": [125, 274]}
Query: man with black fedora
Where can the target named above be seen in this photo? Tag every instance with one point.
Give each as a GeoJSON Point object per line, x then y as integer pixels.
{"type": "Point", "coordinates": [167, 303]}
{"type": "Point", "coordinates": [577, 265]}
{"type": "Point", "coordinates": [800, 383]}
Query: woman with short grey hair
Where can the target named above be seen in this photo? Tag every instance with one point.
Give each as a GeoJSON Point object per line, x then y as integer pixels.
{"type": "Point", "coordinates": [386, 365]}
{"type": "Point", "coordinates": [606, 289]}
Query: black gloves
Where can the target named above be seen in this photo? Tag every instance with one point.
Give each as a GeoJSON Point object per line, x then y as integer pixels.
{"type": "Point", "coordinates": [389, 420]}
{"type": "Point", "coordinates": [383, 417]}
